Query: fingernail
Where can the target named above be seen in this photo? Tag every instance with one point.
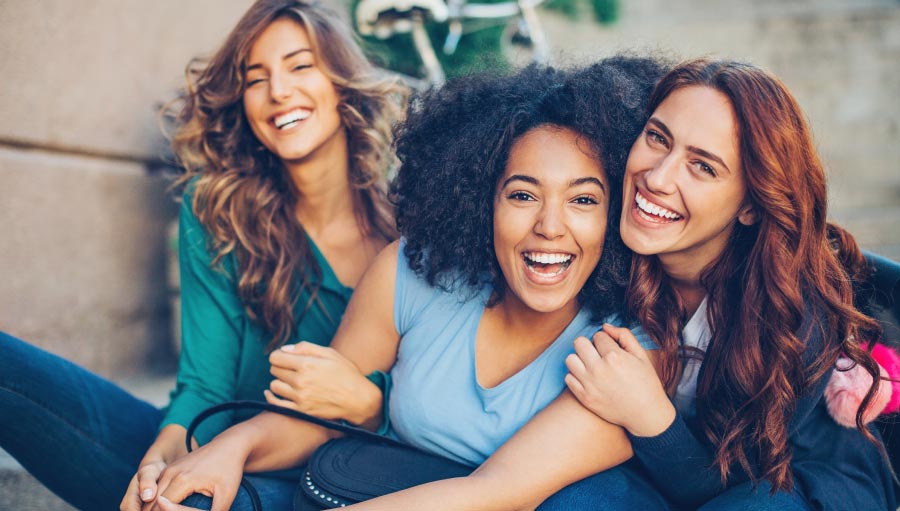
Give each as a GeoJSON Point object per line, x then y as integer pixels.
{"type": "Point", "coordinates": [288, 347]}
{"type": "Point", "coordinates": [147, 494]}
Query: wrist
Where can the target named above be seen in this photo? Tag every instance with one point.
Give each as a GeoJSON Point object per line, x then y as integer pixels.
{"type": "Point", "coordinates": [655, 423]}
{"type": "Point", "coordinates": [239, 441]}
{"type": "Point", "coordinates": [368, 412]}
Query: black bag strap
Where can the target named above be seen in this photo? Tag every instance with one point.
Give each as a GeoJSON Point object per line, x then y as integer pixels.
{"type": "Point", "coordinates": [267, 407]}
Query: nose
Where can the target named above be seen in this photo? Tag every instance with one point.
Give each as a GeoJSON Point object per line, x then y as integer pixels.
{"type": "Point", "coordinates": [550, 223]}
{"type": "Point", "coordinates": [279, 87]}
{"type": "Point", "coordinates": [660, 178]}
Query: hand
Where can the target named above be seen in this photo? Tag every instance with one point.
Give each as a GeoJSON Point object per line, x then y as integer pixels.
{"type": "Point", "coordinates": [320, 381]}
{"type": "Point", "coordinates": [165, 504]}
{"type": "Point", "coordinates": [214, 470]}
{"type": "Point", "coordinates": [615, 378]}
{"type": "Point", "coordinates": [142, 488]}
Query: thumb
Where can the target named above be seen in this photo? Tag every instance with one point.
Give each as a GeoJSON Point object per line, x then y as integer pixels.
{"type": "Point", "coordinates": [626, 340]}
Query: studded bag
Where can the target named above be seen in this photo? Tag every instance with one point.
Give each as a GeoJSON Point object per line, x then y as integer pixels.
{"type": "Point", "coordinates": [358, 466]}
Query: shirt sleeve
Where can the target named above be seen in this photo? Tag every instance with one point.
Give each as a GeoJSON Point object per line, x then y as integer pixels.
{"type": "Point", "coordinates": [681, 465]}
{"type": "Point", "coordinates": [412, 294]}
{"type": "Point", "coordinates": [212, 317]}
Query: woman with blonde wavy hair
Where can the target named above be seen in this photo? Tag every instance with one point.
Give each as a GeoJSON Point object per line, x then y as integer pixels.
{"type": "Point", "coordinates": [285, 136]}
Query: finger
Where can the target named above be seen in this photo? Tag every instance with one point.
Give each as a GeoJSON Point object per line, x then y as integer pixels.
{"type": "Point", "coordinates": [604, 344]}
{"type": "Point", "coordinates": [576, 366]}
{"type": "Point", "coordinates": [165, 504]}
{"type": "Point", "coordinates": [306, 348]}
{"type": "Point", "coordinates": [626, 340]}
{"type": "Point", "coordinates": [147, 477]}
{"type": "Point", "coordinates": [180, 489]}
{"type": "Point", "coordinates": [285, 359]}
{"type": "Point", "coordinates": [282, 374]}
{"type": "Point", "coordinates": [283, 390]}
{"type": "Point", "coordinates": [222, 499]}
{"type": "Point", "coordinates": [275, 400]}
{"type": "Point", "coordinates": [131, 501]}
{"type": "Point", "coordinates": [574, 385]}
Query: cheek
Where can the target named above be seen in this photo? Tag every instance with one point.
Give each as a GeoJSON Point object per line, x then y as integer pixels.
{"type": "Point", "coordinates": [505, 226]}
{"type": "Point", "coordinates": [590, 231]}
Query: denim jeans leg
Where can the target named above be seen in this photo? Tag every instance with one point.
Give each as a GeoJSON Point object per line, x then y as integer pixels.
{"type": "Point", "coordinates": [77, 433]}
{"type": "Point", "coordinates": [618, 489]}
{"type": "Point", "coordinates": [275, 494]}
{"type": "Point", "coordinates": [745, 496]}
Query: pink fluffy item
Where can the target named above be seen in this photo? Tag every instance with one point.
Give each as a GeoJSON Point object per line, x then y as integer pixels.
{"type": "Point", "coordinates": [846, 389]}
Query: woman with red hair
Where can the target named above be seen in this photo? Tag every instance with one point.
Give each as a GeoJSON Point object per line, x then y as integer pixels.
{"type": "Point", "coordinates": [744, 285]}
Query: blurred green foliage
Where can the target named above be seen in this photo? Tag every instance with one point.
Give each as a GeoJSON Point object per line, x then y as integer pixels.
{"type": "Point", "coordinates": [480, 47]}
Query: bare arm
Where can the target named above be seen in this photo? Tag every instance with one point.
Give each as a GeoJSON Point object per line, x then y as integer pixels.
{"type": "Point", "coordinates": [562, 444]}
{"type": "Point", "coordinates": [367, 338]}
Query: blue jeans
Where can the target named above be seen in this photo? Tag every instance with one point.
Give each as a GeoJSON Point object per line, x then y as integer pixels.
{"type": "Point", "coordinates": [617, 489]}
{"type": "Point", "coordinates": [745, 496]}
{"type": "Point", "coordinates": [275, 494]}
{"type": "Point", "coordinates": [624, 488]}
{"type": "Point", "coordinates": [77, 433]}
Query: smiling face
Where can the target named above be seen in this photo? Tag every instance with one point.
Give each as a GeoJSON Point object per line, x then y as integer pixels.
{"type": "Point", "coordinates": [550, 214]}
{"type": "Point", "coordinates": [290, 104]}
{"type": "Point", "coordinates": [684, 185]}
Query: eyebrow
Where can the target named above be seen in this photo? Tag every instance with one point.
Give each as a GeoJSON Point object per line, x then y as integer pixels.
{"type": "Point", "coordinates": [573, 183]}
{"type": "Point", "coordinates": [694, 149]}
{"type": "Point", "coordinates": [584, 180]}
{"type": "Point", "coordinates": [285, 57]}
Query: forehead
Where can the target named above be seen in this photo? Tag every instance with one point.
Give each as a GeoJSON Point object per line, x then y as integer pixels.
{"type": "Point", "coordinates": [555, 153]}
{"type": "Point", "coordinates": [702, 117]}
{"type": "Point", "coordinates": [282, 36]}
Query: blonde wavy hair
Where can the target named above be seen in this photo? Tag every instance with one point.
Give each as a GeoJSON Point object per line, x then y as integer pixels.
{"type": "Point", "coordinates": [241, 192]}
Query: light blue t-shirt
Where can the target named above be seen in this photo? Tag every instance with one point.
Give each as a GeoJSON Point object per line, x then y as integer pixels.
{"type": "Point", "coordinates": [436, 402]}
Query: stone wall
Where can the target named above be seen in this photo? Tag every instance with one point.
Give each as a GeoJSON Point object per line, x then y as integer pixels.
{"type": "Point", "coordinates": [83, 203]}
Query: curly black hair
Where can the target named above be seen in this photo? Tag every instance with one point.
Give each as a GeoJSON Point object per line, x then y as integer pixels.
{"type": "Point", "coordinates": [454, 146]}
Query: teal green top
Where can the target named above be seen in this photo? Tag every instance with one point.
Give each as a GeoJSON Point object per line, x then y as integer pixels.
{"type": "Point", "coordinates": [223, 354]}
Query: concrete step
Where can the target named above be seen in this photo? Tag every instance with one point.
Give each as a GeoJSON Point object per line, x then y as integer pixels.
{"type": "Point", "coordinates": [20, 491]}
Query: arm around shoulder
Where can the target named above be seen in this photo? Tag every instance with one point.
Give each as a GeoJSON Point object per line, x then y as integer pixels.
{"type": "Point", "coordinates": [564, 443]}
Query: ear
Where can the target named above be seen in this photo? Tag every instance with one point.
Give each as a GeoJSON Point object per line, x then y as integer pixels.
{"type": "Point", "coordinates": [747, 215]}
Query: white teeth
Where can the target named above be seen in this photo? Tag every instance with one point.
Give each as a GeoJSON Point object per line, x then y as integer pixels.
{"type": "Point", "coordinates": [291, 117]}
{"type": "Point", "coordinates": [544, 258]}
{"type": "Point", "coordinates": [654, 209]}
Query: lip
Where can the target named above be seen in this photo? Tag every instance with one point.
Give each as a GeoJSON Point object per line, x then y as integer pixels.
{"type": "Point", "coordinates": [655, 221]}
{"type": "Point", "coordinates": [271, 119]}
{"type": "Point", "coordinates": [543, 279]}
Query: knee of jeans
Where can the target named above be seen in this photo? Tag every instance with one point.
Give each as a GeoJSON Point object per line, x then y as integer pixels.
{"type": "Point", "coordinates": [198, 501]}
{"type": "Point", "coordinates": [241, 502]}
{"type": "Point", "coordinates": [17, 360]}
{"type": "Point", "coordinates": [587, 493]}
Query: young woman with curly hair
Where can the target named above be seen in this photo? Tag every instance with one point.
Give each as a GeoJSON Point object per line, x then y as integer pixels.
{"type": "Point", "coordinates": [742, 281]}
{"type": "Point", "coordinates": [285, 135]}
{"type": "Point", "coordinates": [506, 201]}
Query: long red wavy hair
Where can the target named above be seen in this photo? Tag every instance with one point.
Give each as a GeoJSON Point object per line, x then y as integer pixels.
{"type": "Point", "coordinates": [790, 266]}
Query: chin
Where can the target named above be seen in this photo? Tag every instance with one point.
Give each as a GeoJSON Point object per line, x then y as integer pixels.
{"type": "Point", "coordinates": [548, 305]}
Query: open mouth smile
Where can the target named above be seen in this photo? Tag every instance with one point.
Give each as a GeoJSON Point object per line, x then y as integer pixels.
{"type": "Point", "coordinates": [546, 264]}
{"type": "Point", "coordinates": [654, 212]}
{"type": "Point", "coordinates": [290, 119]}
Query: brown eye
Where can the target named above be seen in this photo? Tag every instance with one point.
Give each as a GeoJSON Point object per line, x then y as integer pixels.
{"type": "Point", "coordinates": [585, 200]}
{"type": "Point", "coordinates": [520, 196]}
